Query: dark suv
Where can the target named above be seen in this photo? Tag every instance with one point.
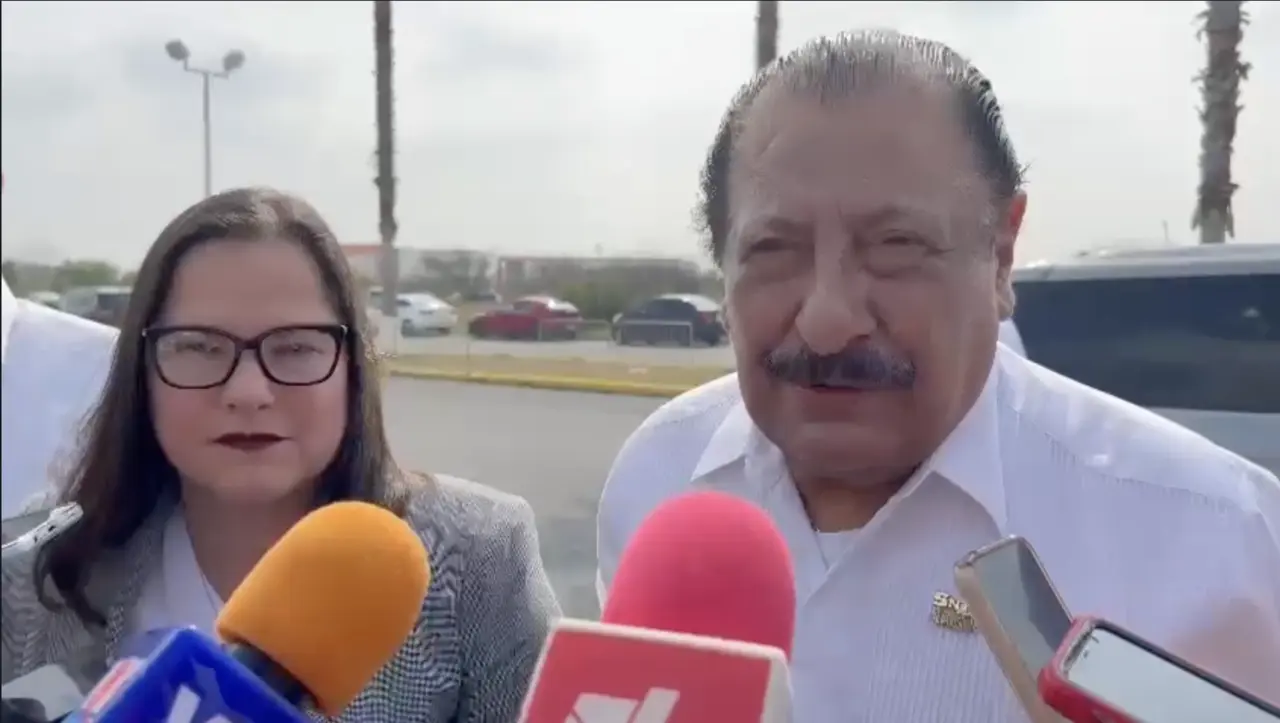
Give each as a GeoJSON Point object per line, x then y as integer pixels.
{"type": "Point", "coordinates": [682, 319]}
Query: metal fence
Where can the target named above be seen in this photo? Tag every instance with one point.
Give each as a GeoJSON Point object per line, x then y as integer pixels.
{"type": "Point", "coordinates": [637, 332]}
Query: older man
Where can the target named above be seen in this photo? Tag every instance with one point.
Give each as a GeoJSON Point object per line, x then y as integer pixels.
{"type": "Point", "coordinates": [863, 200]}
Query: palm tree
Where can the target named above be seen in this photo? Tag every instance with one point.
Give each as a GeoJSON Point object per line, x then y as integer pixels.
{"type": "Point", "coordinates": [766, 32]}
{"type": "Point", "coordinates": [386, 180]}
{"type": "Point", "coordinates": [1222, 26]}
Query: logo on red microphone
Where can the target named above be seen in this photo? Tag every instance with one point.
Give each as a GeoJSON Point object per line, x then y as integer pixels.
{"type": "Point", "coordinates": [591, 677]}
{"type": "Point", "coordinates": [655, 707]}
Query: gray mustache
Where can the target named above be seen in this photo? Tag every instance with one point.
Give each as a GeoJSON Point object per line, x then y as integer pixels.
{"type": "Point", "coordinates": [863, 368]}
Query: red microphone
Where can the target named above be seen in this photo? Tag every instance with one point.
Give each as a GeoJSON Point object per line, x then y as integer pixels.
{"type": "Point", "coordinates": [697, 627]}
{"type": "Point", "coordinates": [707, 564]}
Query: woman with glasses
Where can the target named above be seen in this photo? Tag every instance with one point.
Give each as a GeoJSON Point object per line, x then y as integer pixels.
{"type": "Point", "coordinates": [243, 395]}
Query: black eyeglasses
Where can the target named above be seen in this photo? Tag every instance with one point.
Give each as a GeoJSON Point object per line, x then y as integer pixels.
{"type": "Point", "coordinates": [201, 357]}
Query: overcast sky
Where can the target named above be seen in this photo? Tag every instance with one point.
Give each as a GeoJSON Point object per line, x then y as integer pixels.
{"type": "Point", "coordinates": [558, 128]}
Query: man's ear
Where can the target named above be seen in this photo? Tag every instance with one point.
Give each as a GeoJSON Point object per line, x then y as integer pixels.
{"type": "Point", "coordinates": [1005, 241]}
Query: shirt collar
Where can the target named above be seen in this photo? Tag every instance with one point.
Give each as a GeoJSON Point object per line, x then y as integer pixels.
{"type": "Point", "coordinates": [8, 310]}
{"type": "Point", "coordinates": [969, 458]}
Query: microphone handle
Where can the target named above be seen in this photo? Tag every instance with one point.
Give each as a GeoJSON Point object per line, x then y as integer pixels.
{"type": "Point", "coordinates": [271, 673]}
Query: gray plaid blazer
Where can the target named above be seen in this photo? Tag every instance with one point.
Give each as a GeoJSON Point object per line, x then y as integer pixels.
{"type": "Point", "coordinates": [469, 660]}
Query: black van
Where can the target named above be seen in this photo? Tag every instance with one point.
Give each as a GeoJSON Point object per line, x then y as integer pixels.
{"type": "Point", "coordinates": [1192, 333]}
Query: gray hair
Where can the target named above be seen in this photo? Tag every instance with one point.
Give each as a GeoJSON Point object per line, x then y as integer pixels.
{"type": "Point", "coordinates": [834, 67]}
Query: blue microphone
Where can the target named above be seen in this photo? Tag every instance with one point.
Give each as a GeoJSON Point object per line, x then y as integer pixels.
{"type": "Point", "coordinates": [183, 676]}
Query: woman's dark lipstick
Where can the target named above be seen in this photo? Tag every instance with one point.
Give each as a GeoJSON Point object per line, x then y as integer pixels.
{"type": "Point", "coordinates": [246, 442]}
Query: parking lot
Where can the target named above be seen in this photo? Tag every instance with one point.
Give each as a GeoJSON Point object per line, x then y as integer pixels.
{"type": "Point", "coordinates": [552, 448]}
{"type": "Point", "coordinates": [461, 345]}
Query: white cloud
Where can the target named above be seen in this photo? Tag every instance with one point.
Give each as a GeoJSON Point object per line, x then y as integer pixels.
{"type": "Point", "coordinates": [556, 127]}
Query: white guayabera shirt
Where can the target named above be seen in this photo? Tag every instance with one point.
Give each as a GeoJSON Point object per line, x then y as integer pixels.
{"type": "Point", "coordinates": [1010, 337]}
{"type": "Point", "coordinates": [54, 366]}
{"type": "Point", "coordinates": [1136, 519]}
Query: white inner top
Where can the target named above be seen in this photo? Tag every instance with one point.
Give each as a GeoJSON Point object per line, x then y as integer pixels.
{"type": "Point", "coordinates": [176, 593]}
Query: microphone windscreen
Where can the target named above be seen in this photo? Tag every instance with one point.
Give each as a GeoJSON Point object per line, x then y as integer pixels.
{"type": "Point", "coordinates": [333, 600]}
{"type": "Point", "coordinates": [709, 564]}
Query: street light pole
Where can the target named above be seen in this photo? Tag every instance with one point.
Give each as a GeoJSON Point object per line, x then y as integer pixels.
{"type": "Point", "coordinates": [208, 134]}
{"type": "Point", "coordinates": [231, 62]}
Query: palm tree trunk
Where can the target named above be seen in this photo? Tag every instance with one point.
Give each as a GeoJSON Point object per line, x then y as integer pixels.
{"type": "Point", "coordinates": [386, 180]}
{"type": "Point", "coordinates": [1223, 26]}
{"type": "Point", "coordinates": [766, 32]}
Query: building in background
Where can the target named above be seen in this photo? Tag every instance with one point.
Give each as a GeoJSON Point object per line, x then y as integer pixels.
{"type": "Point", "coordinates": [421, 265]}
{"type": "Point", "coordinates": [525, 272]}
{"type": "Point", "coordinates": [469, 273]}
{"type": "Point", "coordinates": [512, 268]}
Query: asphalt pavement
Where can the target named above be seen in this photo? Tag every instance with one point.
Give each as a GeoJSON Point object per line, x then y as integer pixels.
{"type": "Point", "coordinates": [553, 448]}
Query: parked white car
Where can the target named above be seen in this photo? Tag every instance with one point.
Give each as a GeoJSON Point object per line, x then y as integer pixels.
{"type": "Point", "coordinates": [420, 313]}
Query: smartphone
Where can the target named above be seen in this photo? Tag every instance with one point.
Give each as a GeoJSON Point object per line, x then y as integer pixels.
{"type": "Point", "coordinates": [1105, 674]}
{"type": "Point", "coordinates": [28, 532]}
{"type": "Point", "coordinates": [1019, 614]}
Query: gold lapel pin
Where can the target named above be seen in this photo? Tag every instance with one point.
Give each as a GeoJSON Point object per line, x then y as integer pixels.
{"type": "Point", "coordinates": [952, 613]}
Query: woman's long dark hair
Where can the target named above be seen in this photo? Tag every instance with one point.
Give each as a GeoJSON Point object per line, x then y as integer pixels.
{"type": "Point", "coordinates": [121, 471]}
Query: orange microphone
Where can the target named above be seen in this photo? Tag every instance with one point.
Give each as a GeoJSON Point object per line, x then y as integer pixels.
{"type": "Point", "coordinates": [331, 603]}
{"type": "Point", "coordinates": [309, 627]}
